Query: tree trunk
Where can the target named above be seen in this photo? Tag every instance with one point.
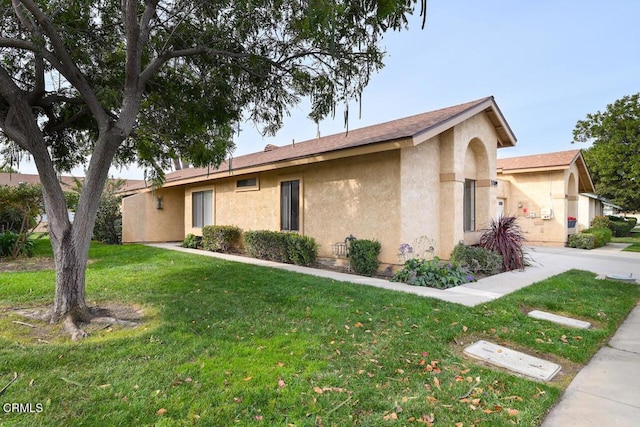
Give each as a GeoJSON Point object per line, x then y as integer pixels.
{"type": "Point", "coordinates": [70, 282]}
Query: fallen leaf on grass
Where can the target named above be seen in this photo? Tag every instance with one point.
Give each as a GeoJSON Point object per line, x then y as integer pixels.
{"type": "Point", "coordinates": [281, 383]}
{"type": "Point", "coordinates": [563, 338]}
{"type": "Point", "coordinates": [391, 416]}
{"type": "Point", "coordinates": [513, 412]}
{"type": "Point", "coordinates": [161, 411]}
{"type": "Point", "coordinates": [436, 382]}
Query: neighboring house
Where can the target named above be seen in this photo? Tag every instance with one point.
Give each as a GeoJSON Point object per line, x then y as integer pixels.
{"type": "Point", "coordinates": [544, 192]}
{"type": "Point", "coordinates": [67, 182]}
{"type": "Point", "coordinates": [426, 175]}
{"type": "Point", "coordinates": [590, 205]}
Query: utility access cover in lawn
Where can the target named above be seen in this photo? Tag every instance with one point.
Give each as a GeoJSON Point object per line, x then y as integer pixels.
{"type": "Point", "coordinates": [513, 360]}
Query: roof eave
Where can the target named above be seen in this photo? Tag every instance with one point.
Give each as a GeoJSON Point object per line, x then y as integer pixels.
{"type": "Point", "coordinates": [506, 138]}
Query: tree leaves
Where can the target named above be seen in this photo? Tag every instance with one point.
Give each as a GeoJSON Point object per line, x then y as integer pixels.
{"type": "Point", "coordinates": [614, 157]}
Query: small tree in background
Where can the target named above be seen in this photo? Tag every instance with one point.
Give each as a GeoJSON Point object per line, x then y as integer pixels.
{"type": "Point", "coordinates": [108, 228]}
{"type": "Point", "coordinates": [20, 210]}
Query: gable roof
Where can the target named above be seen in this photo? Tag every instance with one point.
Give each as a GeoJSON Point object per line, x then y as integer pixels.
{"type": "Point", "coordinates": [561, 160]}
{"type": "Point", "coordinates": [394, 134]}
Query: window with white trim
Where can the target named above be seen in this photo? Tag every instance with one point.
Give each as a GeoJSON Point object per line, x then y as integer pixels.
{"type": "Point", "coordinates": [202, 208]}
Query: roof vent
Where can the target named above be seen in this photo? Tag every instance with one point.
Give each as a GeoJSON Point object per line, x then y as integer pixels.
{"type": "Point", "coordinates": [270, 147]}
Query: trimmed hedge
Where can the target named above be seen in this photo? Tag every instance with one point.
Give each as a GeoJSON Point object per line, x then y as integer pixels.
{"type": "Point", "coordinates": [363, 256]}
{"type": "Point", "coordinates": [192, 241]}
{"type": "Point", "coordinates": [582, 241]}
{"type": "Point", "coordinates": [632, 220]}
{"type": "Point", "coordinates": [476, 259]}
{"type": "Point", "coordinates": [302, 250]}
{"type": "Point", "coordinates": [279, 246]}
{"type": "Point", "coordinates": [221, 238]}
{"type": "Point", "coordinates": [600, 222]}
{"type": "Point", "coordinates": [620, 226]}
{"type": "Point", "coordinates": [590, 238]}
{"type": "Point", "coordinates": [602, 235]}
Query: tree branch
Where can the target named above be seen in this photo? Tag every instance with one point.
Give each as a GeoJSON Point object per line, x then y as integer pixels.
{"type": "Point", "coordinates": [66, 66]}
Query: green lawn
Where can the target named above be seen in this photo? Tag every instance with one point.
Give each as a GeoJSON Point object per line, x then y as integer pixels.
{"type": "Point", "coordinates": [228, 343]}
{"type": "Point", "coordinates": [634, 239]}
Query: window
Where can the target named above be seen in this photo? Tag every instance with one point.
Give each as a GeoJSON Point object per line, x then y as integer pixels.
{"type": "Point", "coordinates": [469, 205]}
{"type": "Point", "coordinates": [201, 207]}
{"type": "Point", "coordinates": [247, 184]}
{"type": "Point", "coordinates": [290, 205]}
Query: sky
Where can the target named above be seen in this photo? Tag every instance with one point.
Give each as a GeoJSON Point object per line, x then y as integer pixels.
{"type": "Point", "coordinates": [547, 63]}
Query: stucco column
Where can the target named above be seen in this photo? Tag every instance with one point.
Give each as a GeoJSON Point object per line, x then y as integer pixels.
{"type": "Point", "coordinates": [451, 213]}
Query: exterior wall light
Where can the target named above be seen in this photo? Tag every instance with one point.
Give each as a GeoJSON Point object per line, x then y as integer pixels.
{"type": "Point", "coordinates": [159, 203]}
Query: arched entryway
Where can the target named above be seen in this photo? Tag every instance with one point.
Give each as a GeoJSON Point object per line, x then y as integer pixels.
{"type": "Point", "coordinates": [477, 187]}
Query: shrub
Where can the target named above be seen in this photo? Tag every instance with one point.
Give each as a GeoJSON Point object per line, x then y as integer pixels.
{"type": "Point", "coordinates": [600, 222]}
{"type": "Point", "coordinates": [434, 274]}
{"type": "Point", "coordinates": [192, 241]}
{"type": "Point", "coordinates": [281, 247]}
{"type": "Point", "coordinates": [266, 244]}
{"type": "Point", "coordinates": [582, 241]}
{"type": "Point", "coordinates": [602, 236]}
{"type": "Point", "coordinates": [20, 207]}
{"type": "Point", "coordinates": [221, 238]}
{"type": "Point", "coordinates": [476, 259]}
{"type": "Point", "coordinates": [301, 250]}
{"type": "Point", "coordinates": [633, 221]}
{"type": "Point", "coordinates": [13, 244]}
{"type": "Point", "coordinates": [363, 255]}
{"type": "Point", "coordinates": [505, 237]}
{"type": "Point", "coordinates": [620, 228]}
{"type": "Point", "coordinates": [108, 227]}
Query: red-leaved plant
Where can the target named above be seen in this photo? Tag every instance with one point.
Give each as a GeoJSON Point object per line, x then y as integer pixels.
{"type": "Point", "coordinates": [505, 236]}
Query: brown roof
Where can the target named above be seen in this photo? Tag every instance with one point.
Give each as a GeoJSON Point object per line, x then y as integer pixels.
{"type": "Point", "coordinates": [547, 162]}
{"type": "Point", "coordinates": [418, 128]}
{"type": "Point", "coordinates": [15, 179]}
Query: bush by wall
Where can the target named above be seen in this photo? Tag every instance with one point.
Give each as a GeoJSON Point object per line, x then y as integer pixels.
{"type": "Point", "coordinates": [221, 238]}
{"type": "Point", "coordinates": [192, 242]}
{"type": "Point", "coordinates": [301, 250]}
{"type": "Point", "coordinates": [476, 259]}
{"type": "Point", "coordinates": [363, 256]}
{"type": "Point", "coordinates": [505, 236]}
{"type": "Point", "coordinates": [633, 221]}
{"type": "Point", "coordinates": [266, 244]}
{"type": "Point", "coordinates": [600, 222]}
{"type": "Point", "coordinates": [582, 241]}
{"type": "Point", "coordinates": [602, 236]}
{"type": "Point", "coordinates": [281, 246]}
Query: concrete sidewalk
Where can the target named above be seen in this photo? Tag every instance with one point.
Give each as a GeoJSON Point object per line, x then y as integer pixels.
{"type": "Point", "coordinates": [606, 392]}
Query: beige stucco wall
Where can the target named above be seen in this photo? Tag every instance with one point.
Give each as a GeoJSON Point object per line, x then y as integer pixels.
{"type": "Point", "coordinates": [432, 180]}
{"type": "Point", "coordinates": [356, 195]}
{"type": "Point", "coordinates": [588, 208]}
{"type": "Point", "coordinates": [142, 221]}
{"type": "Point", "coordinates": [529, 193]}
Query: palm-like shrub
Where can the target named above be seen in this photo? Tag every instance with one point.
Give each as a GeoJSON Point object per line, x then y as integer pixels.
{"type": "Point", "coordinates": [505, 237]}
